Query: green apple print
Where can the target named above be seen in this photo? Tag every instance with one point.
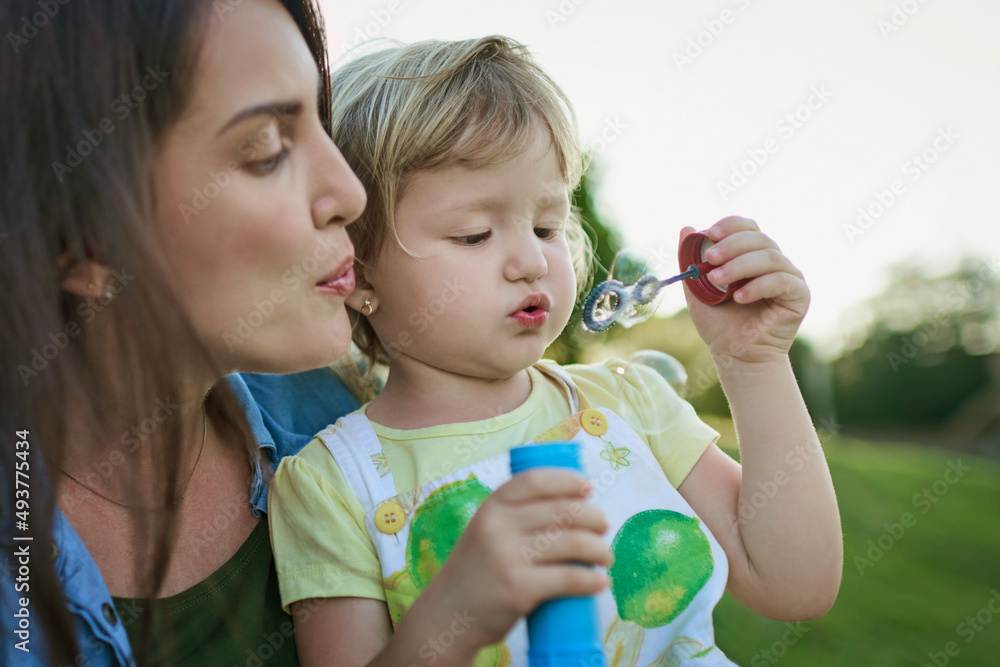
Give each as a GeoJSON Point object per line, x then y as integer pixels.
{"type": "Point", "coordinates": [662, 560]}
{"type": "Point", "coordinates": [438, 523]}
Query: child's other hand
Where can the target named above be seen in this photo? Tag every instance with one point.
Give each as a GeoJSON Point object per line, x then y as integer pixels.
{"type": "Point", "coordinates": [521, 548]}
{"type": "Point", "coordinates": [760, 322]}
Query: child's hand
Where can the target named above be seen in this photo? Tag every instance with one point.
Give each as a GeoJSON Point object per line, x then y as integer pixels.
{"type": "Point", "coordinates": [760, 322]}
{"type": "Point", "coordinates": [521, 548]}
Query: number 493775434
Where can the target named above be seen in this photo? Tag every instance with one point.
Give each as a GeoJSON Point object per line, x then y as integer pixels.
{"type": "Point", "coordinates": [22, 490]}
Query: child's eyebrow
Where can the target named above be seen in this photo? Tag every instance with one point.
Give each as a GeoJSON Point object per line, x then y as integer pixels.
{"type": "Point", "coordinates": [482, 204]}
{"type": "Point", "coordinates": [493, 203]}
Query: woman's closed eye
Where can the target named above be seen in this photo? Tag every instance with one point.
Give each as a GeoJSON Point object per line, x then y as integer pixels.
{"type": "Point", "coordinates": [269, 164]}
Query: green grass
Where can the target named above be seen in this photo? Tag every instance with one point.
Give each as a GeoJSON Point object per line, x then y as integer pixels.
{"type": "Point", "coordinates": [912, 597]}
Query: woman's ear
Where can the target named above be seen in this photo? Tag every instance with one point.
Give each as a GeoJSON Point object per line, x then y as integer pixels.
{"type": "Point", "coordinates": [85, 278]}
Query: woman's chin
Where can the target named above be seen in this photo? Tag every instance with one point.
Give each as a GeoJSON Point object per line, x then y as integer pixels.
{"type": "Point", "coordinates": [304, 350]}
{"type": "Point", "coordinates": [331, 353]}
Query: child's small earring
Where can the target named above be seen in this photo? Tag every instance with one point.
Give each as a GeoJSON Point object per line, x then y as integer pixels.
{"type": "Point", "coordinates": [367, 309]}
{"type": "Point", "coordinates": [90, 287]}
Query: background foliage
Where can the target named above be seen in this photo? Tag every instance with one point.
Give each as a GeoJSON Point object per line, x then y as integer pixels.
{"type": "Point", "coordinates": [914, 393]}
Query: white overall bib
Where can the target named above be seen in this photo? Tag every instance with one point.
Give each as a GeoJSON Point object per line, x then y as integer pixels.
{"type": "Point", "coordinates": [669, 571]}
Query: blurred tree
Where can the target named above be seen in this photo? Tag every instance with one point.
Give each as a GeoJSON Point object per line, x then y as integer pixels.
{"type": "Point", "coordinates": [676, 335]}
{"type": "Point", "coordinates": [605, 241]}
{"type": "Point", "coordinates": [815, 378]}
{"type": "Point", "coordinates": [927, 348]}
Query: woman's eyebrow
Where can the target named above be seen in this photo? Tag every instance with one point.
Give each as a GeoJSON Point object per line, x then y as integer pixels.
{"type": "Point", "coordinates": [281, 110]}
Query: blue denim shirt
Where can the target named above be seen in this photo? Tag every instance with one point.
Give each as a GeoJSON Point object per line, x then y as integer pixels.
{"type": "Point", "coordinates": [284, 411]}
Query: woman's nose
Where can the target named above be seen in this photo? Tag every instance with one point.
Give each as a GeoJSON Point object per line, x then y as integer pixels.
{"type": "Point", "coordinates": [343, 196]}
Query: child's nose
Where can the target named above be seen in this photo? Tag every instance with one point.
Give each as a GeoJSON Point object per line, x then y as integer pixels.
{"type": "Point", "coordinates": [525, 260]}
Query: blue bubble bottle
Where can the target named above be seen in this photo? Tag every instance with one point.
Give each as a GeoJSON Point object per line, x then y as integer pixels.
{"type": "Point", "coordinates": [562, 632]}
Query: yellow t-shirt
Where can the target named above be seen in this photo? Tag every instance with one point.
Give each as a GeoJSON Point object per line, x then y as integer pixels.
{"type": "Point", "coordinates": [321, 546]}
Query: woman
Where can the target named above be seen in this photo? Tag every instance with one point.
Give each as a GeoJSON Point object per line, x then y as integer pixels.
{"type": "Point", "coordinates": [173, 210]}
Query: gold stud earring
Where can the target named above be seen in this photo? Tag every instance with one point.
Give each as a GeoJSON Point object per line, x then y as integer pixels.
{"type": "Point", "coordinates": [367, 309]}
{"type": "Point", "coordinates": [90, 287]}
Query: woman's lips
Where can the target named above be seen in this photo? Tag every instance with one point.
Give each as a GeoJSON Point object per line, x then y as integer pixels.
{"type": "Point", "coordinates": [341, 286]}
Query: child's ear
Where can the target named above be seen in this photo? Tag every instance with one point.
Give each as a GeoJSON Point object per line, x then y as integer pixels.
{"type": "Point", "coordinates": [362, 299]}
{"type": "Point", "coordinates": [84, 277]}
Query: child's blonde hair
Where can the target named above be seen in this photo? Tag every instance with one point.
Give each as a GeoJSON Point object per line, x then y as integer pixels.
{"type": "Point", "coordinates": [409, 108]}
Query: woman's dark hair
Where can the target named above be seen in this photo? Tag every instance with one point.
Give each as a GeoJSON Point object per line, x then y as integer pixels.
{"type": "Point", "coordinates": [76, 182]}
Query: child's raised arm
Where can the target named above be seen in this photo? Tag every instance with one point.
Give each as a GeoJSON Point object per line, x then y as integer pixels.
{"type": "Point", "coordinates": [777, 519]}
{"type": "Point", "coordinates": [486, 584]}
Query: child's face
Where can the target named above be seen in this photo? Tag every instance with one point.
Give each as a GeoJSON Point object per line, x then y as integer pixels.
{"type": "Point", "coordinates": [490, 282]}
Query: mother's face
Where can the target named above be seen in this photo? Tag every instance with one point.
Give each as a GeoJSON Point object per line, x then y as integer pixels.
{"type": "Point", "coordinates": [253, 199]}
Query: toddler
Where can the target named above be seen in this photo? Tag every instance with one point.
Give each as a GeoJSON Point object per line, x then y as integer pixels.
{"type": "Point", "coordinates": [468, 261]}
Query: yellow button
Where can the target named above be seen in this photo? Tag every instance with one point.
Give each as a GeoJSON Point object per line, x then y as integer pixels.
{"type": "Point", "coordinates": [389, 517]}
{"type": "Point", "coordinates": [594, 422]}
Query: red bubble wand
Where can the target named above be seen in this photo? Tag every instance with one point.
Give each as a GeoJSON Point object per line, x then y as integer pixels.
{"type": "Point", "coordinates": [615, 301]}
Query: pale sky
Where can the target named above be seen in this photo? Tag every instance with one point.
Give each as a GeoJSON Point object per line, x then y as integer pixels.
{"type": "Point", "coordinates": [793, 114]}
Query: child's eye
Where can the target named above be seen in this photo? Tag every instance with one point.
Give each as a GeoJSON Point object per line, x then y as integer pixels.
{"type": "Point", "coordinates": [471, 239]}
{"type": "Point", "coordinates": [546, 233]}
{"type": "Point", "coordinates": [268, 165]}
